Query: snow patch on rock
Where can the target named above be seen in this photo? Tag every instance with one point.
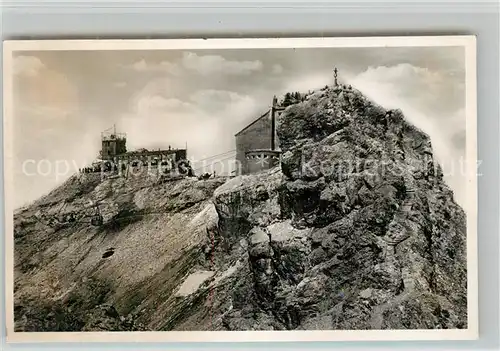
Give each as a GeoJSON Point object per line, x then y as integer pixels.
{"type": "Point", "coordinates": [193, 282]}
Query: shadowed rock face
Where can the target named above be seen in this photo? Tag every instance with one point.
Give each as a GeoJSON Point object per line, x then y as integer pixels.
{"type": "Point", "coordinates": [355, 230]}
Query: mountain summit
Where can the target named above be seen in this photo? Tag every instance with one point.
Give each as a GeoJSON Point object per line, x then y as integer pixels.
{"type": "Point", "coordinates": [355, 229]}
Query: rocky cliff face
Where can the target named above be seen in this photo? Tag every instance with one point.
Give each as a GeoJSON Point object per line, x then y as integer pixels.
{"type": "Point", "coordinates": [355, 230]}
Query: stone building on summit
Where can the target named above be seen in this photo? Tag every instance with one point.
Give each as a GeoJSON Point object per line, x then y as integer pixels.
{"type": "Point", "coordinates": [114, 149]}
{"type": "Point", "coordinates": [257, 146]}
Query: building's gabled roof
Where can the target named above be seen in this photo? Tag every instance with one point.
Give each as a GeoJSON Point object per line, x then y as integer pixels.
{"type": "Point", "coordinates": [251, 124]}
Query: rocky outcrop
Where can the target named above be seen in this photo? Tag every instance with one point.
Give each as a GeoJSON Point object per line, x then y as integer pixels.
{"type": "Point", "coordinates": [356, 229]}
{"type": "Point", "coordinates": [353, 235]}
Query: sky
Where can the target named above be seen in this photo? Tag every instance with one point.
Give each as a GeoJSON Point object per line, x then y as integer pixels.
{"type": "Point", "coordinates": [201, 98]}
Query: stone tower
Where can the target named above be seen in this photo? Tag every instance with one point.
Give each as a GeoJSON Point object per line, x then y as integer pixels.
{"type": "Point", "coordinates": [113, 144]}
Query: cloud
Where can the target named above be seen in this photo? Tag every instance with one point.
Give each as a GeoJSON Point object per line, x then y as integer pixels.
{"type": "Point", "coordinates": [159, 104]}
{"type": "Point", "coordinates": [46, 113]}
{"type": "Point", "coordinates": [49, 123]}
{"type": "Point", "coordinates": [203, 96]}
{"type": "Point", "coordinates": [409, 78]}
{"type": "Point", "coordinates": [216, 100]}
{"type": "Point", "coordinates": [44, 141]}
{"type": "Point", "coordinates": [204, 65]}
{"type": "Point", "coordinates": [27, 66]}
{"type": "Point", "coordinates": [163, 66]}
{"type": "Point", "coordinates": [119, 84]}
{"type": "Point", "coordinates": [435, 91]}
{"type": "Point", "coordinates": [277, 69]}
{"type": "Point", "coordinates": [423, 96]}
{"type": "Point", "coordinates": [158, 122]}
{"type": "Point", "coordinates": [140, 65]}
{"type": "Point", "coordinates": [213, 64]}
{"type": "Point", "coordinates": [43, 92]}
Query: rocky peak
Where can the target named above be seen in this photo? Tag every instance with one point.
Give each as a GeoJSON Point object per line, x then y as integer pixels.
{"type": "Point", "coordinates": [354, 230]}
{"type": "Point", "coordinates": [370, 236]}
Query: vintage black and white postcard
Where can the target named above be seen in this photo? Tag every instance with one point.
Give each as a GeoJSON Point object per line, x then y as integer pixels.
{"type": "Point", "coordinates": [241, 189]}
